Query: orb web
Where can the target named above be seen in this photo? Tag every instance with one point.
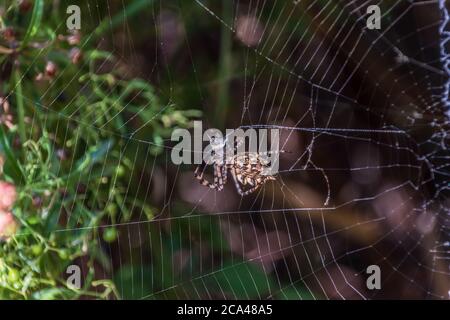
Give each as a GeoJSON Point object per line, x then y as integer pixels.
{"type": "Point", "coordinates": [364, 114]}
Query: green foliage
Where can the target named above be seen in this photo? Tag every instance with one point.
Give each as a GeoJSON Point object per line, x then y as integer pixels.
{"type": "Point", "coordinates": [66, 151]}
{"type": "Point", "coordinates": [243, 280]}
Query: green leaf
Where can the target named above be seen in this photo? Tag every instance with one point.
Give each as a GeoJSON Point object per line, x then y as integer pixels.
{"type": "Point", "coordinates": [36, 18]}
{"type": "Point", "coordinates": [134, 282]}
{"type": "Point", "coordinates": [130, 10]}
{"type": "Point", "coordinates": [12, 166]}
{"type": "Point", "coordinates": [52, 218]}
{"type": "Point", "coordinates": [95, 155]}
{"type": "Point", "coordinates": [244, 280]}
{"type": "Point", "coordinates": [51, 294]}
{"type": "Point", "coordinates": [295, 293]}
{"type": "Point", "coordinates": [20, 106]}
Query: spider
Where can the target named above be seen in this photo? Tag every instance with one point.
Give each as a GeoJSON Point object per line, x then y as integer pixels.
{"type": "Point", "coordinates": [246, 169]}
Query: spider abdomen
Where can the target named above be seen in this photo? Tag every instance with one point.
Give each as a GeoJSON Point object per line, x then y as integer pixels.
{"type": "Point", "coordinates": [246, 169]}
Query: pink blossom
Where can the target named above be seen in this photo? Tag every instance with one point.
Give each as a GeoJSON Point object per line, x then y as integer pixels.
{"type": "Point", "coordinates": [8, 195]}
{"type": "Point", "coordinates": [8, 225]}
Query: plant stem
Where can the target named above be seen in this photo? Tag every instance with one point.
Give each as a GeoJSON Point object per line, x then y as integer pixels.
{"type": "Point", "coordinates": [20, 106]}
{"type": "Point", "coordinates": [225, 66]}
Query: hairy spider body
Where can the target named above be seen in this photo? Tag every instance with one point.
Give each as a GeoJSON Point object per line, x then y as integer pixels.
{"type": "Point", "coordinates": [246, 169]}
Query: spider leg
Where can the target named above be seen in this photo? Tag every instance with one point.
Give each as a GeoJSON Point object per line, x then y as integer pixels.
{"type": "Point", "coordinates": [225, 174]}
{"type": "Point", "coordinates": [202, 180]}
{"type": "Point", "coordinates": [238, 186]}
{"type": "Point", "coordinates": [239, 177]}
{"type": "Point", "coordinates": [272, 152]}
{"type": "Point", "coordinates": [236, 182]}
{"type": "Point", "coordinates": [251, 190]}
{"type": "Point", "coordinates": [258, 184]}
{"type": "Point", "coordinates": [218, 177]}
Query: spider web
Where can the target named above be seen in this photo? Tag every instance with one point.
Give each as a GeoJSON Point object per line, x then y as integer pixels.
{"type": "Point", "coordinates": [364, 115]}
